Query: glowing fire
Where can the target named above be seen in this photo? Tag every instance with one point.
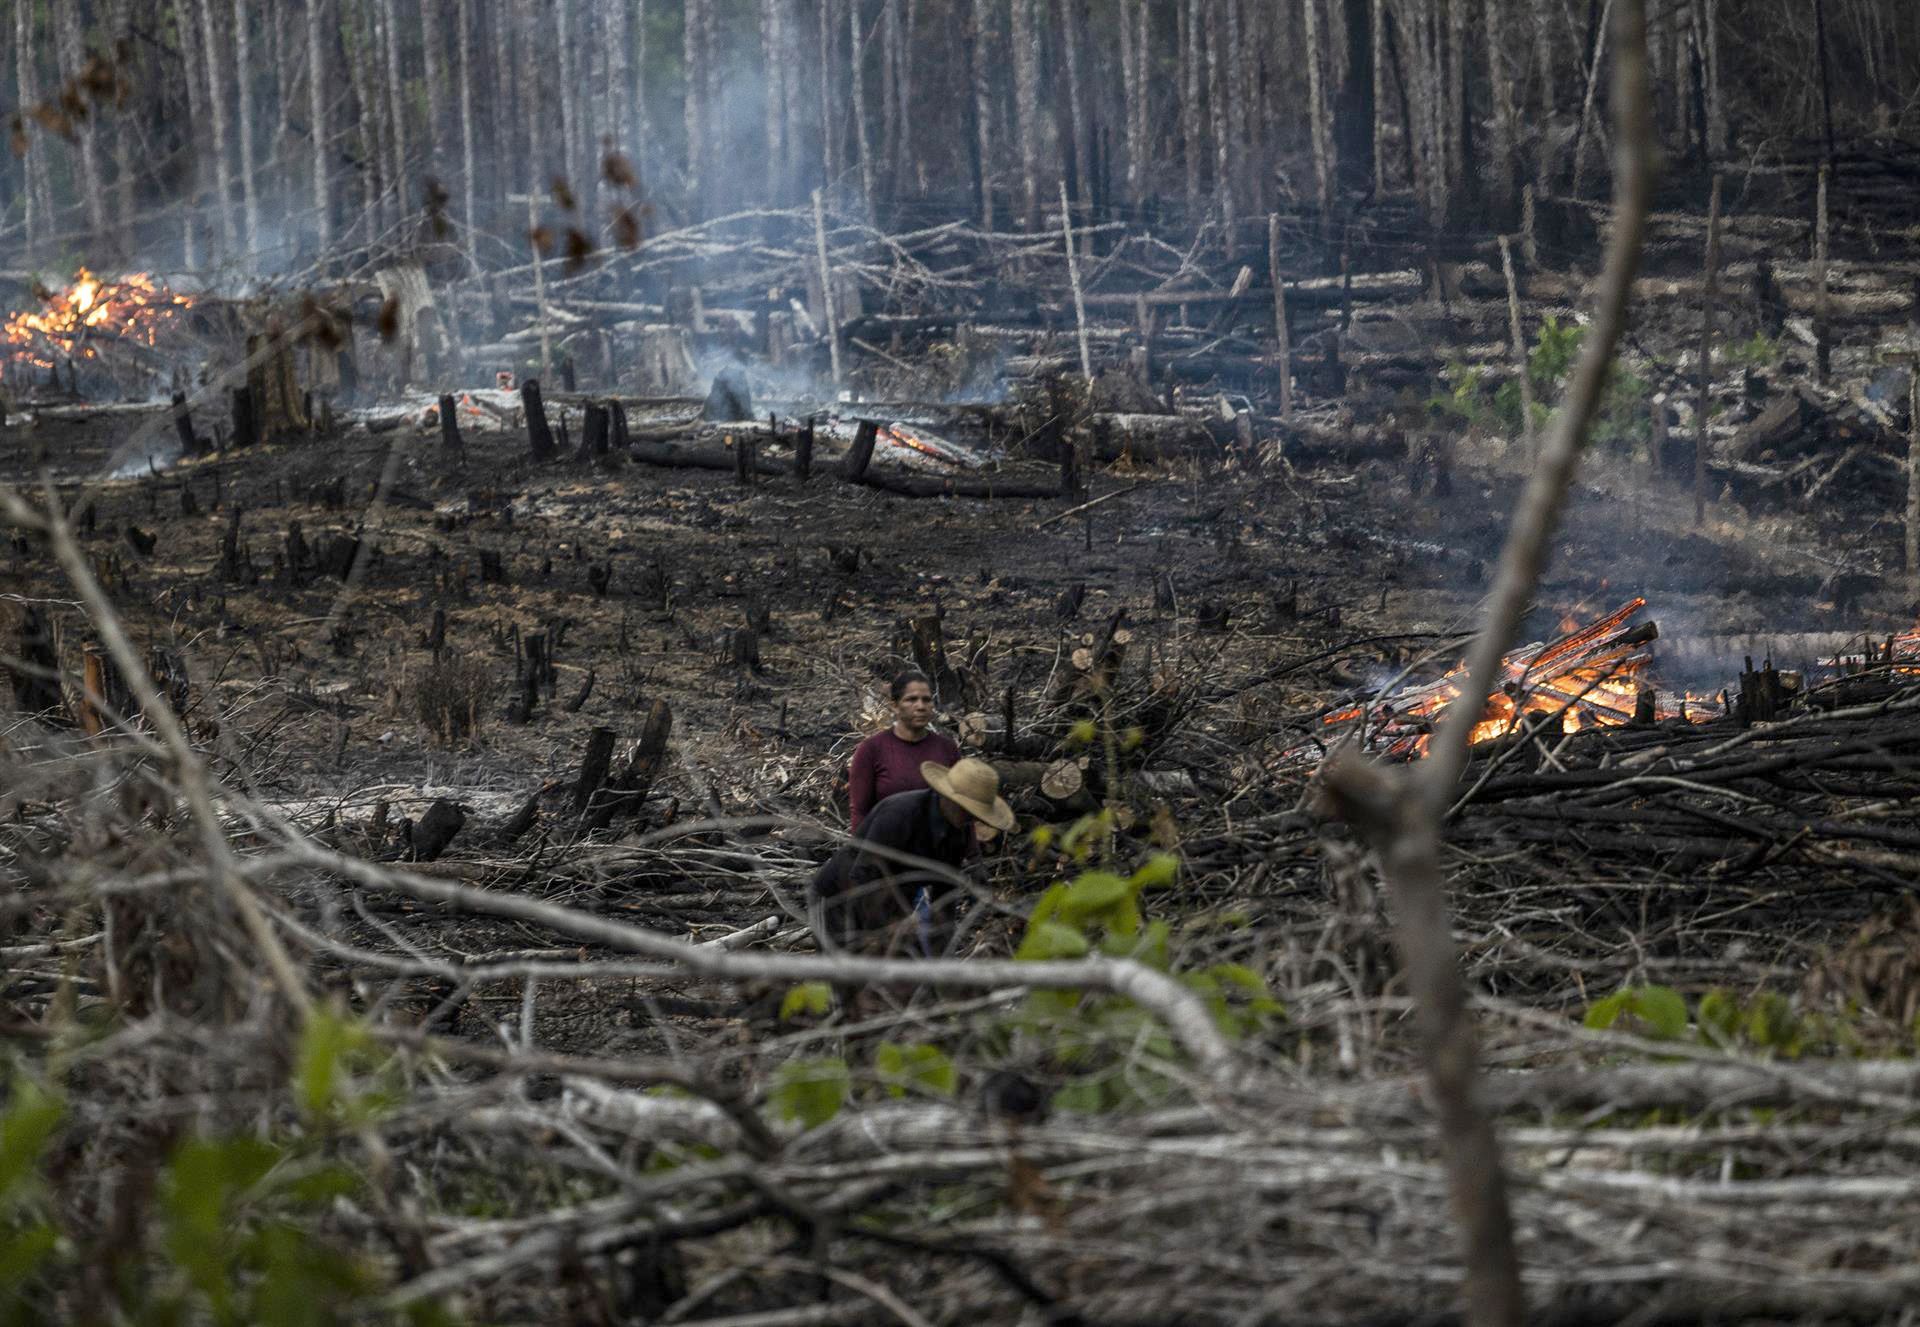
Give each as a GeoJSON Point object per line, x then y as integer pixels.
{"type": "Point", "coordinates": [134, 308]}
{"type": "Point", "coordinates": [1591, 677]}
{"type": "Point", "coordinates": [902, 436]}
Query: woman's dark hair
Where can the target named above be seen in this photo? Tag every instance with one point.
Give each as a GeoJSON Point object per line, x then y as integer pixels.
{"type": "Point", "coordinates": [902, 681]}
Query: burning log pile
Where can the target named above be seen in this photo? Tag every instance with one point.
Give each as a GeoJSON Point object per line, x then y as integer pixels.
{"type": "Point", "coordinates": [91, 320]}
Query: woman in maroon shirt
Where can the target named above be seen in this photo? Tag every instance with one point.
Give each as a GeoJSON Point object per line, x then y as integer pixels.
{"type": "Point", "coordinates": [889, 761]}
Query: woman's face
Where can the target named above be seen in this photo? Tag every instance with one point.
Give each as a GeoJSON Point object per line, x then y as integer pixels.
{"type": "Point", "coordinates": [914, 709]}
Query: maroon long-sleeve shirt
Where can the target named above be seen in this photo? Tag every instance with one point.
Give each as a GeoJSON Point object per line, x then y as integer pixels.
{"type": "Point", "coordinates": [884, 765]}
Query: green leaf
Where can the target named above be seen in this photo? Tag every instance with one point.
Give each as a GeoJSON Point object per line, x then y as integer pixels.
{"type": "Point", "coordinates": [1718, 1015]}
{"type": "Point", "coordinates": [326, 1046]}
{"type": "Point", "coordinates": [810, 1091]}
{"type": "Point", "coordinates": [811, 997]}
{"type": "Point", "coordinates": [1157, 872]}
{"type": "Point", "coordinates": [1658, 1008]}
{"type": "Point", "coordinates": [21, 1252]}
{"type": "Point", "coordinates": [25, 1130]}
{"type": "Point", "coordinates": [1093, 895]}
{"type": "Point", "coordinates": [1050, 940]}
{"type": "Point", "coordinates": [1089, 1096]}
{"type": "Point", "coordinates": [914, 1067]}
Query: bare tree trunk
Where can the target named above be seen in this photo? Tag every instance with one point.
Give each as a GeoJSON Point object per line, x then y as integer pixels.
{"type": "Point", "coordinates": [1192, 36]}
{"type": "Point", "coordinates": [243, 59]}
{"type": "Point", "coordinates": [1549, 97]}
{"type": "Point", "coordinates": [504, 108]}
{"type": "Point", "coordinates": [856, 70]}
{"type": "Point", "coordinates": [693, 63]}
{"type": "Point", "coordinates": [362, 63]}
{"type": "Point", "coordinates": [1223, 141]}
{"type": "Point", "coordinates": [72, 54]}
{"type": "Point", "coordinates": [642, 116]}
{"type": "Point", "coordinates": [1317, 114]}
{"type": "Point", "coordinates": [1379, 97]}
{"type": "Point", "coordinates": [1711, 284]}
{"type": "Point", "coordinates": [773, 56]}
{"type": "Point", "coordinates": [829, 123]}
{"type": "Point", "coordinates": [983, 106]}
{"type": "Point", "coordinates": [620, 76]}
{"type": "Point", "coordinates": [1025, 36]}
{"type": "Point", "coordinates": [185, 30]}
{"type": "Point", "coordinates": [433, 36]}
{"type": "Point", "coordinates": [27, 95]}
{"type": "Point", "coordinates": [397, 102]}
{"type": "Point", "coordinates": [889, 33]}
{"type": "Point", "coordinates": [1459, 115]}
{"type": "Point", "coordinates": [1716, 102]}
{"type": "Point", "coordinates": [317, 84]}
{"type": "Point", "coordinates": [1282, 333]}
{"type": "Point", "coordinates": [567, 68]}
{"type": "Point", "coordinates": [216, 59]}
{"type": "Point", "coordinates": [1586, 104]}
{"type": "Point", "coordinates": [1131, 86]}
{"type": "Point", "coordinates": [464, 35]}
{"type": "Point", "coordinates": [123, 148]}
{"type": "Point", "coordinates": [1073, 29]}
{"type": "Point", "coordinates": [1500, 94]}
{"type": "Point", "coordinates": [1517, 340]}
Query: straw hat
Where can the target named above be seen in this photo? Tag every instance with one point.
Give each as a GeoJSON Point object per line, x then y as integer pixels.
{"type": "Point", "coordinates": [975, 785]}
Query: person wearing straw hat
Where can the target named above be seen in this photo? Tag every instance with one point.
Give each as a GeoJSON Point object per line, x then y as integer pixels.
{"type": "Point", "coordinates": [902, 859]}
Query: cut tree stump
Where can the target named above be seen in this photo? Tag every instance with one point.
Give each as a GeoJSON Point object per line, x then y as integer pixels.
{"type": "Point", "coordinates": [627, 792]}
{"type": "Point", "coordinates": [803, 452]}
{"type": "Point", "coordinates": [853, 467]}
{"type": "Point", "coordinates": [246, 424]}
{"type": "Point", "coordinates": [183, 426]}
{"type": "Point", "coordinates": [596, 432]}
{"type": "Point", "coordinates": [594, 767]}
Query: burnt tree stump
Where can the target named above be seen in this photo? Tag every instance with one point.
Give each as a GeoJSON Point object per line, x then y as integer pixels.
{"type": "Point", "coordinates": [743, 649]}
{"type": "Point", "coordinates": [743, 459]}
{"type": "Point", "coordinates": [627, 793]}
{"type": "Point", "coordinates": [599, 577]}
{"type": "Point", "coordinates": [432, 832]}
{"type": "Point", "coordinates": [540, 441]}
{"type": "Point", "coordinates": [597, 432]}
{"type": "Point", "coordinates": [803, 452]}
{"type": "Point", "coordinates": [622, 438]}
{"type": "Point", "coordinates": [492, 570]}
{"type": "Point", "coordinates": [929, 648]}
{"type": "Point", "coordinates": [183, 426]}
{"type": "Point", "coordinates": [246, 423]}
{"type": "Point", "coordinates": [595, 764]}
{"type": "Point", "coordinates": [860, 455]}
{"type": "Point", "coordinates": [36, 679]}
{"type": "Point", "coordinates": [450, 424]}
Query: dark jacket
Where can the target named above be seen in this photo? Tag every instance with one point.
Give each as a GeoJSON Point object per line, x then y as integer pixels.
{"type": "Point", "coordinates": [860, 895]}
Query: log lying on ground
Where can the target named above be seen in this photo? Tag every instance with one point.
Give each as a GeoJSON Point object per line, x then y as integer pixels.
{"type": "Point", "coordinates": [674, 456]}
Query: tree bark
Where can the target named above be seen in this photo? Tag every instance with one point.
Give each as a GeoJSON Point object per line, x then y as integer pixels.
{"type": "Point", "coordinates": [317, 83]}
{"type": "Point", "coordinates": [1500, 95]}
{"type": "Point", "coordinates": [1025, 36]}
{"type": "Point", "coordinates": [1073, 24]}
{"type": "Point", "coordinates": [249, 186]}
{"type": "Point", "coordinates": [464, 35]}
{"type": "Point", "coordinates": [433, 36]}
{"type": "Point", "coordinates": [1217, 107]}
{"type": "Point", "coordinates": [397, 106]}
{"type": "Point", "coordinates": [983, 107]}
{"type": "Point", "coordinates": [72, 53]}
{"type": "Point", "coordinates": [216, 61]}
{"type": "Point", "coordinates": [1317, 115]}
{"type": "Point", "coordinates": [1712, 283]}
{"type": "Point", "coordinates": [38, 195]}
{"type": "Point", "coordinates": [857, 76]}
{"type": "Point", "coordinates": [1192, 29]}
{"type": "Point", "coordinates": [773, 57]}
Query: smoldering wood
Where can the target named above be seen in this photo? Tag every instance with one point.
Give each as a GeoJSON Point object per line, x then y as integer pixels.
{"type": "Point", "coordinates": [539, 434]}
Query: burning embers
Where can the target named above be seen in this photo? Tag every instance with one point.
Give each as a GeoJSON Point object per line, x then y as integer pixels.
{"type": "Point", "coordinates": [72, 324]}
{"type": "Point", "coordinates": [1593, 676]}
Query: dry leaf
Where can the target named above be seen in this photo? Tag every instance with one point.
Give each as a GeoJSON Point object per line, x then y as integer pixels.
{"type": "Point", "coordinates": [563, 195]}
{"type": "Point", "coordinates": [626, 228]}
{"type": "Point", "coordinates": [542, 240]}
{"type": "Point", "coordinates": [579, 250]}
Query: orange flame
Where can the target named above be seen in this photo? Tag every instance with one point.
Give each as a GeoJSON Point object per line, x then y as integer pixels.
{"type": "Point", "coordinates": [134, 308]}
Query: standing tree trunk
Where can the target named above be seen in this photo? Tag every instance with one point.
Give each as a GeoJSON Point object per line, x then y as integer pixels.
{"type": "Point", "coordinates": [465, 37]}
{"type": "Point", "coordinates": [856, 72]}
{"type": "Point", "coordinates": [433, 37]}
{"type": "Point", "coordinates": [1192, 27]}
{"type": "Point", "coordinates": [1317, 113]}
{"type": "Point", "coordinates": [216, 61]}
{"type": "Point", "coordinates": [1073, 26]}
{"type": "Point", "coordinates": [983, 107]}
{"type": "Point", "coordinates": [361, 76]}
{"type": "Point", "coordinates": [693, 55]}
{"type": "Point", "coordinates": [1716, 102]}
{"type": "Point", "coordinates": [317, 38]}
{"type": "Point", "coordinates": [829, 122]}
{"type": "Point", "coordinates": [1132, 85]}
{"type": "Point", "coordinates": [1500, 95]}
{"type": "Point", "coordinates": [243, 60]}
{"type": "Point", "coordinates": [1353, 120]}
{"type": "Point", "coordinates": [1704, 410]}
{"type": "Point", "coordinates": [1025, 35]}
{"type": "Point", "coordinates": [1217, 106]}
{"type": "Point", "coordinates": [72, 53]}
{"type": "Point", "coordinates": [566, 57]}
{"type": "Point", "coordinates": [773, 58]}
{"type": "Point", "coordinates": [397, 103]}
{"type": "Point", "coordinates": [33, 162]}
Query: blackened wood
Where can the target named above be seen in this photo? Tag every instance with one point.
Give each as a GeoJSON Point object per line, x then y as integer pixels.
{"type": "Point", "coordinates": [594, 434]}
{"type": "Point", "coordinates": [929, 647]}
{"type": "Point", "coordinates": [299, 558]}
{"type": "Point", "coordinates": [337, 554]}
{"type": "Point", "coordinates": [860, 455]}
{"type": "Point", "coordinates": [580, 697]}
{"type": "Point", "coordinates": [635, 781]}
{"type": "Point", "coordinates": [622, 439]}
{"type": "Point", "coordinates": [599, 576]}
{"type": "Point", "coordinates": [436, 639]}
{"type": "Point", "coordinates": [803, 452]}
{"type": "Point", "coordinates": [183, 426]}
{"type": "Point", "coordinates": [450, 424]}
{"type": "Point", "coordinates": [893, 482]}
{"type": "Point", "coordinates": [594, 766]}
{"type": "Point", "coordinates": [1067, 606]}
{"type": "Point", "coordinates": [36, 681]}
{"type": "Point", "coordinates": [246, 425]}
{"type": "Point", "coordinates": [521, 820]}
{"type": "Point", "coordinates": [434, 831]}
{"type": "Point", "coordinates": [672, 456]}
{"type": "Point", "coordinates": [568, 377]}
{"type": "Point", "coordinates": [743, 458]}
{"type": "Point", "coordinates": [539, 435]}
{"type": "Point", "coordinates": [743, 649]}
{"type": "Point", "coordinates": [492, 571]}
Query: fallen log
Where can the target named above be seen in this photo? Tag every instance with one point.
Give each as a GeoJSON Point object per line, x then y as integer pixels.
{"type": "Point", "coordinates": [669, 456]}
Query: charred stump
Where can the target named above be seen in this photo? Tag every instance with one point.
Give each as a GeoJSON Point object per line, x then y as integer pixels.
{"type": "Point", "coordinates": [246, 423]}
{"type": "Point", "coordinates": [595, 765]}
{"type": "Point", "coordinates": [183, 426]}
{"type": "Point", "coordinates": [803, 452]}
{"type": "Point", "coordinates": [860, 455]}
{"type": "Point", "coordinates": [628, 792]}
{"type": "Point", "coordinates": [36, 675]}
{"type": "Point", "coordinates": [450, 425]}
{"type": "Point", "coordinates": [595, 432]}
{"type": "Point", "coordinates": [540, 443]}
